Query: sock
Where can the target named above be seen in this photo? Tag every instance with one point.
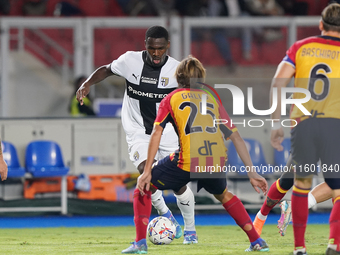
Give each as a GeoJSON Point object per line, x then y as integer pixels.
{"type": "Point", "coordinates": [142, 211]}
{"type": "Point", "coordinates": [311, 200]}
{"type": "Point", "coordinates": [275, 194]}
{"type": "Point", "coordinates": [261, 216]}
{"type": "Point", "coordinates": [236, 210]}
{"type": "Point", "coordinates": [302, 250]}
{"type": "Point", "coordinates": [186, 203]}
{"type": "Point", "coordinates": [300, 215]}
{"type": "Point", "coordinates": [334, 223]}
{"type": "Point", "coordinates": [159, 203]}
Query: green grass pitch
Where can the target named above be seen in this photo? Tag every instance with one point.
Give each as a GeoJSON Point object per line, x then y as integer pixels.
{"type": "Point", "coordinates": [215, 240]}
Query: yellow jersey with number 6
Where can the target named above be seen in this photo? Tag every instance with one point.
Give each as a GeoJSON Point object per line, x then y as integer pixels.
{"type": "Point", "coordinates": [317, 68]}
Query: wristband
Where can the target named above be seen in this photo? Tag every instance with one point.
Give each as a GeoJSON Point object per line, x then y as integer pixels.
{"type": "Point", "coordinates": [276, 125]}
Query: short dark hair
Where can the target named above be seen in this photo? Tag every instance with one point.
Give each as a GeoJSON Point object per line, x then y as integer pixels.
{"type": "Point", "coordinates": [331, 17]}
{"type": "Point", "coordinates": [157, 32]}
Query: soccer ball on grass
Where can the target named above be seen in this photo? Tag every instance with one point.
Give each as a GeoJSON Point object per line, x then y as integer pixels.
{"type": "Point", "coordinates": [161, 230]}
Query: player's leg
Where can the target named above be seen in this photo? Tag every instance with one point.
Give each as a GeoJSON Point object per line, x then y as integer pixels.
{"type": "Point", "coordinates": [185, 197]}
{"type": "Point", "coordinates": [301, 188]}
{"type": "Point", "coordinates": [319, 193]}
{"type": "Point", "coordinates": [305, 155]}
{"type": "Point", "coordinates": [165, 175]}
{"type": "Point", "coordinates": [138, 154]}
{"type": "Point", "coordinates": [186, 203]}
{"type": "Point", "coordinates": [334, 219]}
{"type": "Point", "coordinates": [330, 167]}
{"type": "Point", "coordinates": [276, 192]}
{"type": "Point", "coordinates": [334, 223]}
{"type": "Point", "coordinates": [142, 210]}
{"type": "Point", "coordinates": [235, 208]}
{"type": "Point", "coordinates": [160, 205]}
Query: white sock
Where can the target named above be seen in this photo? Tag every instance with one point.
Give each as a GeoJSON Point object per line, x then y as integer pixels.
{"type": "Point", "coordinates": [186, 203]}
{"type": "Point", "coordinates": [159, 203]}
{"type": "Point", "coordinates": [261, 216]}
{"type": "Point", "coordinates": [311, 200]}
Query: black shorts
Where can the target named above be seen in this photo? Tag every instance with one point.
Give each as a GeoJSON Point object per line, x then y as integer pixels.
{"type": "Point", "coordinates": [317, 139]}
{"type": "Point", "coordinates": [167, 176]}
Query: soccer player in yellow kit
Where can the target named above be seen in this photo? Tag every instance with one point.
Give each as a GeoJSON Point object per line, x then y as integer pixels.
{"type": "Point", "coordinates": [201, 145]}
{"type": "Point", "coordinates": [315, 64]}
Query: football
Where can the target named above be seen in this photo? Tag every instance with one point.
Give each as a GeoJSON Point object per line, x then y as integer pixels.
{"type": "Point", "coordinates": [161, 230]}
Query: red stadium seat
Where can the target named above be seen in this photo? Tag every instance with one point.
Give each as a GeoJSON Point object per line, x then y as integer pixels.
{"type": "Point", "coordinates": [101, 53]}
{"type": "Point", "coordinates": [58, 34]}
{"type": "Point", "coordinates": [51, 7]}
{"type": "Point", "coordinates": [16, 7]}
{"type": "Point", "coordinates": [51, 4]}
{"type": "Point", "coordinates": [117, 48]}
{"type": "Point", "coordinates": [93, 8]}
{"type": "Point", "coordinates": [312, 7]}
{"type": "Point", "coordinates": [135, 34]}
{"type": "Point", "coordinates": [107, 34]}
{"type": "Point", "coordinates": [114, 9]}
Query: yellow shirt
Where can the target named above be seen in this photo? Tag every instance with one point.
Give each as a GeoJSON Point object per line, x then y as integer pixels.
{"type": "Point", "coordinates": [317, 68]}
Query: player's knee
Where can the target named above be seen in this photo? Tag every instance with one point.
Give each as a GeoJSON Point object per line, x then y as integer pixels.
{"type": "Point", "coordinates": [181, 191]}
{"type": "Point", "coordinates": [141, 166]}
{"type": "Point", "coordinates": [303, 182]}
{"type": "Point", "coordinates": [153, 189]}
{"type": "Point", "coordinates": [286, 181]}
{"type": "Point", "coordinates": [224, 197]}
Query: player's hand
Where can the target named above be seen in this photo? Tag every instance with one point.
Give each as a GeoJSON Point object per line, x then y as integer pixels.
{"type": "Point", "coordinates": [3, 170]}
{"type": "Point", "coordinates": [276, 138]}
{"type": "Point", "coordinates": [143, 182]}
{"type": "Point", "coordinates": [257, 181]}
{"type": "Point", "coordinates": [82, 92]}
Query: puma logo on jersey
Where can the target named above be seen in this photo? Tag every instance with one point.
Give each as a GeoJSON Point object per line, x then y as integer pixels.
{"type": "Point", "coordinates": [136, 77]}
{"type": "Point", "coordinates": [184, 204]}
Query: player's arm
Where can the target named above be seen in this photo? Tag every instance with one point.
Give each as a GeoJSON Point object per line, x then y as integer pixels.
{"type": "Point", "coordinates": [3, 165]}
{"type": "Point", "coordinates": [256, 180]}
{"type": "Point", "coordinates": [144, 179]}
{"type": "Point", "coordinates": [97, 76]}
{"type": "Point", "coordinates": [153, 147]}
{"type": "Point", "coordinates": [241, 149]}
{"type": "Point", "coordinates": [282, 77]}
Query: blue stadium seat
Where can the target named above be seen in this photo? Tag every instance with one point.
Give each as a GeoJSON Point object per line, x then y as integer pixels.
{"type": "Point", "coordinates": [256, 154]}
{"type": "Point", "coordinates": [11, 158]}
{"type": "Point", "coordinates": [281, 157]}
{"type": "Point", "coordinates": [44, 159]}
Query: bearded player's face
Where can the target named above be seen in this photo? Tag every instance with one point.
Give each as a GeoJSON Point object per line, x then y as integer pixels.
{"type": "Point", "coordinates": [156, 50]}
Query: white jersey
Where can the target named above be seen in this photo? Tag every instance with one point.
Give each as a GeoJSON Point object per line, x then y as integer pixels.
{"type": "Point", "coordinates": [146, 86]}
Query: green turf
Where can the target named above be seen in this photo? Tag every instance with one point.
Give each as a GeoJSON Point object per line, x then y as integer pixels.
{"type": "Point", "coordinates": [214, 240]}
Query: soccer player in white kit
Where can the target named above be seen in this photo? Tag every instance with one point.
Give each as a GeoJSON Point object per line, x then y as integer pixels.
{"type": "Point", "coordinates": [149, 77]}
